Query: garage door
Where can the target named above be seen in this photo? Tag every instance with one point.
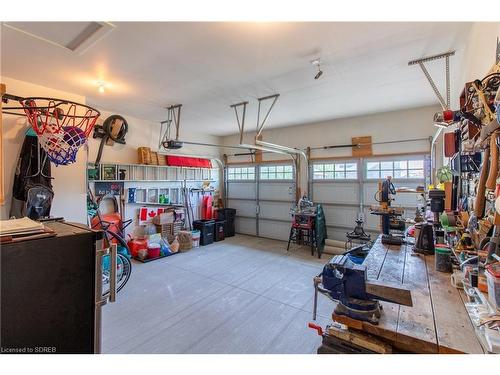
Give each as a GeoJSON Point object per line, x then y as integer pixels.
{"type": "Point", "coordinates": [347, 188]}
{"type": "Point", "coordinates": [262, 196]}
{"type": "Point", "coordinates": [276, 195]}
{"type": "Point", "coordinates": [241, 193]}
{"type": "Point", "coordinates": [336, 186]}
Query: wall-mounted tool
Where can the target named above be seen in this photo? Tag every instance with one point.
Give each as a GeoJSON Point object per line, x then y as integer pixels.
{"type": "Point", "coordinates": [357, 297]}
{"type": "Point", "coordinates": [114, 129]}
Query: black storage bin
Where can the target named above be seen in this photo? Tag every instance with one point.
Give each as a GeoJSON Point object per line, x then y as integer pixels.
{"type": "Point", "coordinates": [227, 214]}
{"type": "Point", "coordinates": [220, 226]}
{"type": "Point", "coordinates": [206, 228]}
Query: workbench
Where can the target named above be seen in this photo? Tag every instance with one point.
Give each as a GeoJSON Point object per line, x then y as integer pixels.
{"type": "Point", "coordinates": [438, 321]}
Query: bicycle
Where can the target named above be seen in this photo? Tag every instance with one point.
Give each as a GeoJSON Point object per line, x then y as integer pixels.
{"type": "Point", "coordinates": [124, 265]}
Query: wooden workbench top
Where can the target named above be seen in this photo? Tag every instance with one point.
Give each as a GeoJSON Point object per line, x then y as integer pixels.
{"type": "Point", "coordinates": [438, 321]}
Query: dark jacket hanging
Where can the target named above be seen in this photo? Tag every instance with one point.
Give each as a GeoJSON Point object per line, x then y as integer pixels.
{"type": "Point", "coordinates": [32, 190]}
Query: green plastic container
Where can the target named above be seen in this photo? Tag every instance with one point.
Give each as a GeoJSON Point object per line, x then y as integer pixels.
{"type": "Point", "coordinates": [442, 257]}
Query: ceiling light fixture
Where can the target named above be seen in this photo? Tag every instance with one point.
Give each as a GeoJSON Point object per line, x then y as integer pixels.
{"type": "Point", "coordinates": [101, 86]}
{"type": "Point", "coordinates": [317, 62]}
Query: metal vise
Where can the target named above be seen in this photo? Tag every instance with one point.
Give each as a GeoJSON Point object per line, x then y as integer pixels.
{"type": "Point", "coordinates": [346, 283]}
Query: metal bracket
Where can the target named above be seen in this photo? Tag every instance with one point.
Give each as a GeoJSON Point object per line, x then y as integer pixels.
{"type": "Point", "coordinates": [421, 62]}
{"type": "Point", "coordinates": [173, 115]}
{"type": "Point", "coordinates": [260, 126]}
{"type": "Point", "coordinates": [241, 124]}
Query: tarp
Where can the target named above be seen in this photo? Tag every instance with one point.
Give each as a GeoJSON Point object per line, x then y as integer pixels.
{"type": "Point", "coordinates": [183, 161]}
{"type": "Point", "coordinates": [320, 226]}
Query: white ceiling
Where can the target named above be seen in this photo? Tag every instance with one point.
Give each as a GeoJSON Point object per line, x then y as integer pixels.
{"type": "Point", "coordinates": [208, 66]}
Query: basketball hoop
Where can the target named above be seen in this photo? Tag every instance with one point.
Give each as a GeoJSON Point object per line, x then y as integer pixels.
{"type": "Point", "coordinates": [62, 126]}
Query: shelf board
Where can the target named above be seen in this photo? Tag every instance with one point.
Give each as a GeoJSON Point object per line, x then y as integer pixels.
{"type": "Point", "coordinates": [145, 165]}
{"type": "Point", "coordinates": [142, 180]}
{"type": "Point", "coordinates": [156, 204]}
{"type": "Point", "coordinates": [200, 180]}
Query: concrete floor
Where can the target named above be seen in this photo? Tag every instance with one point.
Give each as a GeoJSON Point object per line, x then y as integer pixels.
{"type": "Point", "coordinates": [241, 295]}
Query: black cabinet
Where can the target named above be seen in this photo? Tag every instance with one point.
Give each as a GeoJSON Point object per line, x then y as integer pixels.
{"type": "Point", "coordinates": [48, 293]}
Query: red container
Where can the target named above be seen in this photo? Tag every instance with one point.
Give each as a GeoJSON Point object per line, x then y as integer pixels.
{"type": "Point", "coordinates": [135, 245]}
{"type": "Point", "coordinates": [154, 251]}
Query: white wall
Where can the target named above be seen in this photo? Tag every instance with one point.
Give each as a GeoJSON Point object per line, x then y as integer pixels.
{"type": "Point", "coordinates": [389, 126]}
{"type": "Point", "coordinates": [480, 53]}
{"type": "Point", "coordinates": [69, 182]}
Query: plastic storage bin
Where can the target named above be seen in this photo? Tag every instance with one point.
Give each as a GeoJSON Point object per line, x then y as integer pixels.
{"type": "Point", "coordinates": [442, 257]}
{"type": "Point", "coordinates": [227, 214]}
{"type": "Point", "coordinates": [493, 277]}
{"type": "Point", "coordinates": [220, 226]}
{"type": "Point", "coordinates": [206, 228]}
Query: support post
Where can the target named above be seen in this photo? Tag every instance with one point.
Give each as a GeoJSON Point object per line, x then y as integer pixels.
{"type": "Point", "coordinates": [2, 193]}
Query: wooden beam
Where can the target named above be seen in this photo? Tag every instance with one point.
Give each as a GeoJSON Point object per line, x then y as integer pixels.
{"type": "Point", "coordinates": [258, 153]}
{"type": "Point", "coordinates": [399, 294]}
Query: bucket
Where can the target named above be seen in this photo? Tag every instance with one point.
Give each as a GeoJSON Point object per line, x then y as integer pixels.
{"type": "Point", "coordinates": [196, 234]}
{"type": "Point", "coordinates": [443, 259]}
{"type": "Point", "coordinates": [154, 250]}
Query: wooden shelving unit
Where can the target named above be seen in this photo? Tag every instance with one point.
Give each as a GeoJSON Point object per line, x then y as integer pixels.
{"type": "Point", "coordinates": [152, 181]}
{"type": "Point", "coordinates": [152, 173]}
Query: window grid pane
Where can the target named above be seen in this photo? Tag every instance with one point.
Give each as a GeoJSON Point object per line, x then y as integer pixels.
{"type": "Point", "coordinates": [403, 169]}
{"type": "Point", "coordinates": [335, 171]}
{"type": "Point", "coordinates": [278, 172]}
{"type": "Point", "coordinates": [241, 173]}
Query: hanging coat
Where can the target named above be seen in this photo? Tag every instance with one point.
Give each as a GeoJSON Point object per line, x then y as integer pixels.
{"type": "Point", "coordinates": [31, 192]}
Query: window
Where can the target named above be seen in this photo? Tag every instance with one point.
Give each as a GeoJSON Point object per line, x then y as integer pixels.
{"type": "Point", "coordinates": [395, 168]}
{"type": "Point", "coordinates": [335, 171]}
{"type": "Point", "coordinates": [276, 172]}
{"type": "Point", "coordinates": [244, 173]}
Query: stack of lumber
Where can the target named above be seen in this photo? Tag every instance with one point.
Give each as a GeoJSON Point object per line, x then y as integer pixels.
{"type": "Point", "coordinates": [334, 247]}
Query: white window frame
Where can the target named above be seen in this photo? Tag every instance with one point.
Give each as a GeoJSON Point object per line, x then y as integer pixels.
{"type": "Point", "coordinates": [384, 170]}
{"type": "Point", "coordinates": [276, 172]}
{"type": "Point", "coordinates": [334, 170]}
{"type": "Point", "coordinates": [241, 173]}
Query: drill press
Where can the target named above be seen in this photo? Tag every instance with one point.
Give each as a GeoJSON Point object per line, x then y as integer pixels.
{"type": "Point", "coordinates": [386, 212]}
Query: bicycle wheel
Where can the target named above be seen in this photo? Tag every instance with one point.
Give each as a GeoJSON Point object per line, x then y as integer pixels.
{"type": "Point", "coordinates": [123, 271]}
{"type": "Point", "coordinates": [120, 239]}
{"type": "Point", "coordinates": [124, 266]}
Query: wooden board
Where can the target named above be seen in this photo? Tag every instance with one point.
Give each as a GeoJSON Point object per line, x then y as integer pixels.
{"type": "Point", "coordinates": [357, 338]}
{"type": "Point", "coordinates": [365, 149]}
{"type": "Point", "coordinates": [455, 333]}
{"type": "Point", "coordinates": [258, 153]}
{"type": "Point", "coordinates": [416, 324]}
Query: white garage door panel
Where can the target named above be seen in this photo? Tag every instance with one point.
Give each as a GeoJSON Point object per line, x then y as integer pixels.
{"type": "Point", "coordinates": [274, 229]}
{"type": "Point", "coordinates": [279, 191]}
{"type": "Point", "coordinates": [372, 222]}
{"type": "Point", "coordinates": [243, 208]}
{"type": "Point", "coordinates": [245, 226]}
{"type": "Point", "coordinates": [340, 215]}
{"type": "Point", "coordinates": [401, 199]}
{"type": "Point", "coordinates": [241, 190]}
{"type": "Point", "coordinates": [336, 233]}
{"type": "Point", "coordinates": [275, 210]}
{"type": "Point", "coordinates": [335, 192]}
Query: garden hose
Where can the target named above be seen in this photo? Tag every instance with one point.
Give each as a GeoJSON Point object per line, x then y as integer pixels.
{"type": "Point", "coordinates": [107, 128]}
